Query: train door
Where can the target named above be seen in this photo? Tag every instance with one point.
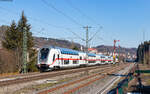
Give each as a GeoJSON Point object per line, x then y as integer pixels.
{"type": "Point", "coordinates": [61, 60]}
{"type": "Point", "coordinates": [65, 61]}
{"type": "Point", "coordinates": [56, 59]}
{"type": "Point", "coordinates": [82, 57]}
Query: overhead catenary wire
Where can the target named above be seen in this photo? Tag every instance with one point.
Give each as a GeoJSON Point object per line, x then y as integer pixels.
{"type": "Point", "coordinates": [98, 42]}
{"type": "Point", "coordinates": [38, 20]}
{"type": "Point", "coordinates": [75, 34]}
{"type": "Point", "coordinates": [40, 31]}
{"type": "Point", "coordinates": [63, 38]}
{"type": "Point", "coordinates": [31, 18]}
{"type": "Point", "coordinates": [81, 12]}
{"type": "Point", "coordinates": [95, 33]}
{"type": "Point", "coordinates": [60, 12]}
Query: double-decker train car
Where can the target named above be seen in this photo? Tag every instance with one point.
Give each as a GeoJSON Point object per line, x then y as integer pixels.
{"type": "Point", "coordinates": [103, 59]}
{"type": "Point", "coordinates": [109, 59]}
{"type": "Point", "coordinates": [91, 59]}
{"type": "Point", "coordinates": [51, 57]}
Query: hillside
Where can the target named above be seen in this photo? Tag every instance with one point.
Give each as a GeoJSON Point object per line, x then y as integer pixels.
{"type": "Point", "coordinates": [102, 48]}
{"type": "Point", "coordinates": [41, 41]}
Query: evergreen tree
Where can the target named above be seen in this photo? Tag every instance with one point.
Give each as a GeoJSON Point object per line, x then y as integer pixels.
{"type": "Point", "coordinates": [75, 48]}
{"type": "Point", "coordinates": [11, 39]}
{"type": "Point", "coordinates": [14, 41]}
{"type": "Point", "coordinates": [21, 24]}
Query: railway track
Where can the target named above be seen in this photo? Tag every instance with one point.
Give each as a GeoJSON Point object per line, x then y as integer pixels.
{"type": "Point", "coordinates": [110, 83]}
{"type": "Point", "coordinates": [18, 75]}
{"type": "Point", "coordinates": [38, 76]}
{"type": "Point", "coordinates": [99, 75]}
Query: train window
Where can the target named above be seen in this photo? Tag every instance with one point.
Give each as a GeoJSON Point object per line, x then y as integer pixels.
{"type": "Point", "coordinates": [58, 56]}
{"type": "Point", "coordinates": [102, 61]}
{"type": "Point", "coordinates": [53, 57]}
{"type": "Point", "coordinates": [44, 53]}
{"type": "Point", "coordinates": [91, 61]}
{"type": "Point", "coordinates": [80, 58]}
{"type": "Point", "coordinates": [66, 61]}
{"type": "Point", "coordinates": [75, 62]}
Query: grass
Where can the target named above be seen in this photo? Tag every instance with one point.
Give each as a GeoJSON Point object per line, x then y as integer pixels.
{"type": "Point", "coordinates": [8, 74]}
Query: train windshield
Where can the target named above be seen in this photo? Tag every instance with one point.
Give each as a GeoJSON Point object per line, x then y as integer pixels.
{"type": "Point", "coordinates": [44, 53]}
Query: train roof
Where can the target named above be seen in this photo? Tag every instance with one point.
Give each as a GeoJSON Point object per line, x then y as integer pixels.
{"type": "Point", "coordinates": [64, 50]}
{"type": "Point", "coordinates": [103, 56]}
{"type": "Point", "coordinates": [91, 54]}
{"type": "Point", "coordinates": [68, 51]}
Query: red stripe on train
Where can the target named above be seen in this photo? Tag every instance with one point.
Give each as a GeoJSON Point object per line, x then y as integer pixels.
{"type": "Point", "coordinates": [78, 59]}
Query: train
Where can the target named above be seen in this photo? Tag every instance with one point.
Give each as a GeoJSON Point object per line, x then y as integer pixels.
{"type": "Point", "coordinates": [53, 57]}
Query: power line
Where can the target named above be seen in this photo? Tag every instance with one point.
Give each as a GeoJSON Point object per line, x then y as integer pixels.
{"type": "Point", "coordinates": [96, 33]}
{"type": "Point", "coordinates": [43, 33]}
{"type": "Point", "coordinates": [31, 18]}
{"type": "Point", "coordinates": [81, 12]}
{"type": "Point", "coordinates": [75, 34]}
{"type": "Point", "coordinates": [38, 20]}
{"type": "Point", "coordinates": [59, 11]}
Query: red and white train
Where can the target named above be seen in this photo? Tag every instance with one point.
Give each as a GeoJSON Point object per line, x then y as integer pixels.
{"type": "Point", "coordinates": [51, 57]}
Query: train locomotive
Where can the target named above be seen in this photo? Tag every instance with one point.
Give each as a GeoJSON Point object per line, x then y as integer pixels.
{"type": "Point", "coordinates": [52, 57]}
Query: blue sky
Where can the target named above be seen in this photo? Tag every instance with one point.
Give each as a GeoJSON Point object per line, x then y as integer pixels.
{"type": "Point", "coordinates": [124, 20]}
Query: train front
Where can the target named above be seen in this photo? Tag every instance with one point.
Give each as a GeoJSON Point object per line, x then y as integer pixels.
{"type": "Point", "coordinates": [42, 63]}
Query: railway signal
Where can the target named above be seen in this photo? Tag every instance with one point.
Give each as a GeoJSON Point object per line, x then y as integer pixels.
{"type": "Point", "coordinates": [114, 56]}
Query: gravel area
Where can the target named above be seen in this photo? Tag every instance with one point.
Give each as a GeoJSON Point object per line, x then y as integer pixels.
{"type": "Point", "coordinates": [104, 85]}
{"type": "Point", "coordinates": [34, 86]}
{"type": "Point", "coordinates": [80, 91]}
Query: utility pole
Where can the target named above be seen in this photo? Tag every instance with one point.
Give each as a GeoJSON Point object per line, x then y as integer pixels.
{"type": "Point", "coordinates": [24, 50]}
{"type": "Point", "coordinates": [119, 53]}
{"type": "Point", "coordinates": [87, 40]}
{"type": "Point", "coordinates": [114, 57]}
{"type": "Point", "coordinates": [87, 37]}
